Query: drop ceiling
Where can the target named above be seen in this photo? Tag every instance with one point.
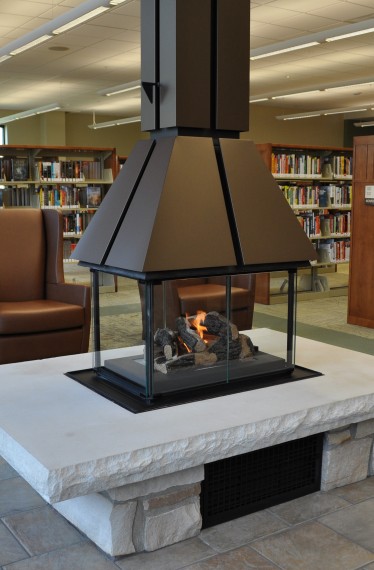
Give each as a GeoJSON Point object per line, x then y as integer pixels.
{"type": "Point", "coordinates": [72, 67]}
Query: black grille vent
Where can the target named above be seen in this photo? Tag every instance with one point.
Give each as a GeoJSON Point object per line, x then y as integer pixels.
{"type": "Point", "coordinates": [246, 483]}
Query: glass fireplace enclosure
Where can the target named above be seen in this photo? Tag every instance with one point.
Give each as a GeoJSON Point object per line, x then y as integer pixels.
{"type": "Point", "coordinates": [191, 336]}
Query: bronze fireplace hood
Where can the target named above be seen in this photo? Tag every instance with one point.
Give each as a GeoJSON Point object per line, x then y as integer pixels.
{"type": "Point", "coordinates": [194, 199]}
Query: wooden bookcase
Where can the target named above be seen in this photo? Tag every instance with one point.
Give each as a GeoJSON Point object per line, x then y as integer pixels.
{"type": "Point", "coordinates": [317, 183]}
{"type": "Point", "coordinates": [361, 270]}
{"type": "Point", "coordinates": [74, 179]}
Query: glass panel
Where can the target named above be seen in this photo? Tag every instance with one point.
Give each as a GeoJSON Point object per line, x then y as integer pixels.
{"type": "Point", "coordinates": [119, 331]}
{"type": "Point", "coordinates": [274, 324]}
{"type": "Point", "coordinates": [177, 336]}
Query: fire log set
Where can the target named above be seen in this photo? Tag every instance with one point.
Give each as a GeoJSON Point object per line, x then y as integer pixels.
{"type": "Point", "coordinates": [200, 341]}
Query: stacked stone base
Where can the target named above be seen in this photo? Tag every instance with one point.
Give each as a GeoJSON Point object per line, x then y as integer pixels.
{"type": "Point", "coordinates": [142, 516]}
{"type": "Point", "coordinates": [157, 512]}
{"type": "Point", "coordinates": [164, 510]}
{"type": "Point", "coordinates": [347, 455]}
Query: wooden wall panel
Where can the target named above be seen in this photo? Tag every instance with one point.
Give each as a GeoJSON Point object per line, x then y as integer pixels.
{"type": "Point", "coordinates": [361, 274]}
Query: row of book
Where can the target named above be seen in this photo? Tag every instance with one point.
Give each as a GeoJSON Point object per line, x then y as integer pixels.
{"type": "Point", "coordinates": [19, 196]}
{"type": "Point", "coordinates": [342, 165]}
{"type": "Point", "coordinates": [295, 163]}
{"type": "Point", "coordinates": [325, 225]}
{"type": "Point", "coordinates": [52, 197]}
{"type": "Point", "coordinates": [70, 196]}
{"type": "Point", "coordinates": [18, 169]}
{"type": "Point", "coordinates": [334, 251]}
{"type": "Point", "coordinates": [322, 196]}
{"type": "Point", "coordinates": [309, 164]}
{"type": "Point", "coordinates": [76, 223]}
{"type": "Point", "coordinates": [65, 170]}
{"type": "Point", "coordinates": [14, 168]}
{"type": "Point", "coordinates": [335, 195]}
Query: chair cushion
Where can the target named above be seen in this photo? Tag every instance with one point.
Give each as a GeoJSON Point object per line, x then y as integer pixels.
{"type": "Point", "coordinates": [210, 297]}
{"type": "Point", "coordinates": [25, 317]}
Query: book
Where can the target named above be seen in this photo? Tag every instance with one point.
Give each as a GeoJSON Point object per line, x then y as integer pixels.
{"type": "Point", "coordinates": [20, 168]}
{"type": "Point", "coordinates": [93, 196]}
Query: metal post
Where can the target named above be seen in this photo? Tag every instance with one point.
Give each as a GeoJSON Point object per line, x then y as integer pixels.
{"type": "Point", "coordinates": [291, 316]}
{"type": "Point", "coordinates": [96, 316]}
{"type": "Point", "coordinates": [149, 310]}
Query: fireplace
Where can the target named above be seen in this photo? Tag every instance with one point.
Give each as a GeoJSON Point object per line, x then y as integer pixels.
{"type": "Point", "coordinates": [193, 202]}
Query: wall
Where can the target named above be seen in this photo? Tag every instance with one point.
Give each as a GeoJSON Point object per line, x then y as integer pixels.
{"type": "Point", "coordinates": [71, 129]}
{"type": "Point", "coordinates": [45, 129]}
{"type": "Point", "coordinates": [319, 131]}
{"type": "Point", "coordinates": [123, 137]}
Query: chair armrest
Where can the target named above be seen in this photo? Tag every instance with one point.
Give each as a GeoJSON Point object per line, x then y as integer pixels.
{"type": "Point", "coordinates": [71, 293]}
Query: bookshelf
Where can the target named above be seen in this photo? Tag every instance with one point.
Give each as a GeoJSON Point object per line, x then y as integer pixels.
{"type": "Point", "coordinates": [317, 183]}
{"type": "Point", "coordinates": [74, 179]}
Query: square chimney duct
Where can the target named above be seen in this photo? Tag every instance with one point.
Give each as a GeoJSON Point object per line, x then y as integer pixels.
{"type": "Point", "coordinates": [193, 200]}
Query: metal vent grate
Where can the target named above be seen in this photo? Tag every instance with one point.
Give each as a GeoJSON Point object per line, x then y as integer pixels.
{"type": "Point", "coordinates": [243, 484]}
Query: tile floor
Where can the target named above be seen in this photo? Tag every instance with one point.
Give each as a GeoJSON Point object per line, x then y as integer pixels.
{"type": "Point", "coordinates": [322, 531]}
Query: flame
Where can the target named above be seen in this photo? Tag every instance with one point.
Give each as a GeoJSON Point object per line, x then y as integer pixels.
{"type": "Point", "coordinates": [185, 346]}
{"type": "Point", "coordinates": [196, 322]}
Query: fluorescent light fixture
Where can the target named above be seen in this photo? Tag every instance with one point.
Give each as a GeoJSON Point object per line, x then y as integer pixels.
{"type": "Point", "coordinates": [284, 50]}
{"type": "Point", "coordinates": [343, 111]}
{"type": "Point", "coordinates": [114, 123]}
{"type": "Point", "coordinates": [353, 86]}
{"type": "Point", "coordinates": [31, 44]}
{"type": "Point", "coordinates": [301, 116]}
{"type": "Point", "coordinates": [364, 124]}
{"type": "Point", "coordinates": [297, 94]}
{"type": "Point", "coordinates": [4, 58]}
{"type": "Point", "coordinates": [316, 38]}
{"type": "Point", "coordinates": [318, 113]}
{"type": "Point", "coordinates": [117, 2]}
{"type": "Point", "coordinates": [259, 100]}
{"type": "Point", "coordinates": [81, 19]}
{"type": "Point", "coordinates": [350, 35]}
{"type": "Point", "coordinates": [29, 113]}
{"type": "Point", "coordinates": [131, 86]}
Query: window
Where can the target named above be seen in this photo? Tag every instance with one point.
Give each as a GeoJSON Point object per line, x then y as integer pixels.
{"type": "Point", "coordinates": [2, 134]}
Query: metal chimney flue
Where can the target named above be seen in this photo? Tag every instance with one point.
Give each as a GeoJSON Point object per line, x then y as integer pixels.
{"type": "Point", "coordinates": [195, 67]}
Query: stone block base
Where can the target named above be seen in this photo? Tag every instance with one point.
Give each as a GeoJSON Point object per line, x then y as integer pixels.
{"type": "Point", "coordinates": [347, 455]}
{"type": "Point", "coordinates": [142, 516]}
{"type": "Point", "coordinates": [154, 513]}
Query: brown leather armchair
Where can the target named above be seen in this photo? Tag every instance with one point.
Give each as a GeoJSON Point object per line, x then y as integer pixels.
{"type": "Point", "coordinates": [187, 296]}
{"type": "Point", "coordinates": [41, 316]}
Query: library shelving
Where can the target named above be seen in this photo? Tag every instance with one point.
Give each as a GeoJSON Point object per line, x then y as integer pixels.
{"type": "Point", "coordinates": [317, 183]}
{"type": "Point", "coordinates": [73, 179]}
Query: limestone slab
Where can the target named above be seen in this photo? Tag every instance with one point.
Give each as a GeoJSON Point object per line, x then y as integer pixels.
{"type": "Point", "coordinates": [76, 443]}
{"type": "Point", "coordinates": [157, 484]}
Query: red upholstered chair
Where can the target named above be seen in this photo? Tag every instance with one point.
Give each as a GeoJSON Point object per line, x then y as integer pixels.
{"type": "Point", "coordinates": [41, 316]}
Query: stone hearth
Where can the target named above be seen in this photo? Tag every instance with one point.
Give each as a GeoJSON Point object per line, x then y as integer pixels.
{"type": "Point", "coordinates": [131, 482]}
